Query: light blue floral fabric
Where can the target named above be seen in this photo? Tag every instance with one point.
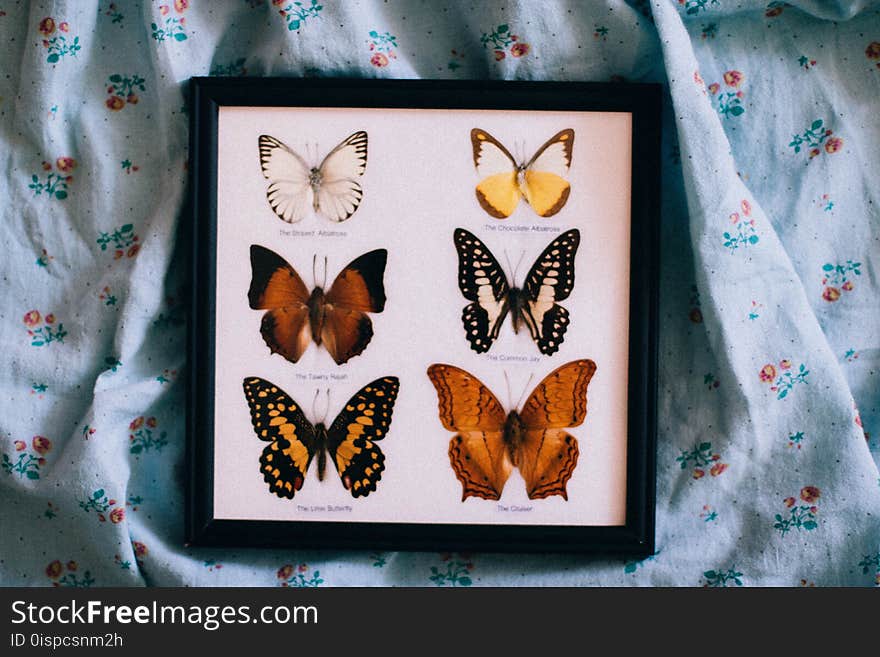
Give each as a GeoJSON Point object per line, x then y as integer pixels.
{"type": "Point", "coordinates": [770, 309]}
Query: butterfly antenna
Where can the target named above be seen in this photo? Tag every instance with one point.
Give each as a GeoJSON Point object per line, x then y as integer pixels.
{"type": "Point", "coordinates": [324, 285]}
{"type": "Point", "coordinates": [509, 266]}
{"type": "Point", "coordinates": [326, 407]}
{"type": "Point", "coordinates": [518, 263]}
{"type": "Point", "coordinates": [525, 389]}
{"type": "Point", "coordinates": [315, 405]}
{"type": "Point", "coordinates": [314, 275]}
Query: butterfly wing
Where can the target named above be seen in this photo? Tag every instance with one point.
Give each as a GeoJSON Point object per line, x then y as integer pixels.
{"type": "Point", "coordinates": [278, 419]}
{"type": "Point", "coordinates": [545, 187]}
{"type": "Point", "coordinates": [477, 453]}
{"type": "Point", "coordinates": [550, 279]}
{"type": "Point", "coordinates": [352, 437]}
{"type": "Point", "coordinates": [497, 192]}
{"type": "Point", "coordinates": [548, 454]}
{"type": "Point", "coordinates": [358, 289]}
{"type": "Point", "coordinates": [290, 190]}
{"type": "Point", "coordinates": [277, 288]}
{"type": "Point", "coordinates": [339, 194]}
{"type": "Point", "coordinates": [482, 281]}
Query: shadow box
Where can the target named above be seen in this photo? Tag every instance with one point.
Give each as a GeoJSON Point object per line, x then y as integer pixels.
{"type": "Point", "coordinates": [424, 315]}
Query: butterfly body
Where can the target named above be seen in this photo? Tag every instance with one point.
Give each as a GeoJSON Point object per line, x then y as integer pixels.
{"type": "Point", "coordinates": [489, 443]}
{"type": "Point", "coordinates": [483, 282]}
{"type": "Point", "coordinates": [540, 181]}
{"type": "Point", "coordinates": [349, 441]}
{"type": "Point", "coordinates": [336, 318]}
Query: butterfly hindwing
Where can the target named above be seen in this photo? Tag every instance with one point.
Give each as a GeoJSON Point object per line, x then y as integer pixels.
{"type": "Point", "coordinates": [546, 188]}
{"type": "Point", "coordinates": [352, 437]}
{"type": "Point", "coordinates": [290, 192]}
{"type": "Point", "coordinates": [550, 279]}
{"type": "Point", "coordinates": [548, 458]}
{"type": "Point", "coordinates": [482, 281]}
{"type": "Point", "coordinates": [278, 419]}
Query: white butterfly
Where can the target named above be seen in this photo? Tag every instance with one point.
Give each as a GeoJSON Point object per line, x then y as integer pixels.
{"type": "Point", "coordinates": [330, 189]}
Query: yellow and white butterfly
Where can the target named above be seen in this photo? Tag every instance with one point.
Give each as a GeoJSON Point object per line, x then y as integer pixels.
{"type": "Point", "coordinates": [540, 181]}
{"type": "Point", "coordinates": [330, 189]}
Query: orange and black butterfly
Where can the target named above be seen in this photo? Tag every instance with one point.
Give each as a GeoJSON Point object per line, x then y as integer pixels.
{"type": "Point", "coordinates": [489, 443]}
{"type": "Point", "coordinates": [540, 181]}
{"type": "Point", "coordinates": [336, 318]}
{"type": "Point", "coordinates": [293, 441]}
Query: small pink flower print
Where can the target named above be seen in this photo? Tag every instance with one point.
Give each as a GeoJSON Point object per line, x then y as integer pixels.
{"type": "Point", "coordinates": [101, 517]}
{"type": "Point", "coordinates": [132, 99]}
{"type": "Point", "coordinates": [734, 217]}
{"type": "Point", "coordinates": [285, 571]}
{"type": "Point", "coordinates": [733, 78]}
{"type": "Point", "coordinates": [785, 364]}
{"type": "Point", "coordinates": [873, 50]}
{"type": "Point", "coordinates": [118, 254]}
{"type": "Point", "coordinates": [772, 12]}
{"type": "Point", "coordinates": [164, 9]}
{"type": "Point", "coordinates": [746, 207]}
{"type": "Point", "coordinates": [788, 502]}
{"type": "Point", "coordinates": [133, 250]}
{"type": "Point", "coordinates": [64, 26]}
{"type": "Point", "coordinates": [833, 145]}
{"type": "Point", "coordinates": [20, 445]}
{"type": "Point", "coordinates": [519, 49]}
{"type": "Point", "coordinates": [46, 166]}
{"type": "Point", "coordinates": [714, 87]}
{"type": "Point", "coordinates": [278, 3]}
{"type": "Point", "coordinates": [698, 79]}
{"type": "Point", "coordinates": [115, 103]}
{"type": "Point", "coordinates": [47, 26]}
{"type": "Point", "coordinates": [847, 286]}
{"type": "Point", "coordinates": [136, 423]}
{"type": "Point", "coordinates": [71, 566]}
{"type": "Point", "coordinates": [699, 473]}
{"type": "Point", "coordinates": [181, 6]}
{"type": "Point", "coordinates": [717, 469]}
{"type": "Point", "coordinates": [41, 461]}
{"type": "Point", "coordinates": [379, 60]}
{"type": "Point", "coordinates": [831, 294]}
{"type": "Point", "coordinates": [767, 373]}
{"type": "Point", "coordinates": [810, 494]}
{"type": "Point", "coordinates": [65, 164]}
{"type": "Point", "coordinates": [499, 55]}
{"type": "Point", "coordinates": [50, 318]}
{"type": "Point", "coordinates": [117, 515]}
{"type": "Point", "coordinates": [696, 316]}
{"type": "Point", "coordinates": [302, 568]}
{"type": "Point", "coordinates": [814, 152]}
{"type": "Point", "coordinates": [41, 444]}
{"type": "Point", "coordinates": [32, 318]}
{"type": "Point", "coordinates": [54, 570]}
{"type": "Point", "coordinates": [140, 550]}
{"type": "Point", "coordinates": [152, 422]}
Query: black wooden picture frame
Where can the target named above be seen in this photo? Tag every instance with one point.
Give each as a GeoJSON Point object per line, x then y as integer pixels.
{"type": "Point", "coordinates": [643, 101]}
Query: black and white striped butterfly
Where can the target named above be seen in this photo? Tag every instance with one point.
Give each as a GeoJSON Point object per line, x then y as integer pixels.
{"type": "Point", "coordinates": [483, 282]}
{"type": "Point", "coordinates": [330, 189]}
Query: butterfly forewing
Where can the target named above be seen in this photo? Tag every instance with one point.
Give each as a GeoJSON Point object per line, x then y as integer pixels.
{"type": "Point", "coordinates": [546, 188]}
{"type": "Point", "coordinates": [289, 192]}
{"type": "Point", "coordinates": [365, 419]}
{"type": "Point", "coordinates": [278, 419]}
{"type": "Point", "coordinates": [482, 281]}
{"type": "Point", "coordinates": [497, 191]}
{"type": "Point", "coordinates": [560, 400]}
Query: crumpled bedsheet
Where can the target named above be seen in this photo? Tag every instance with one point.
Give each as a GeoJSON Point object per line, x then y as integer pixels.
{"type": "Point", "coordinates": [769, 426]}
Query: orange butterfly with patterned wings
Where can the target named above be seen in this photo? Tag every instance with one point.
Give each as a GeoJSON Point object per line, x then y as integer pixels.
{"type": "Point", "coordinates": [337, 319]}
{"type": "Point", "coordinates": [489, 443]}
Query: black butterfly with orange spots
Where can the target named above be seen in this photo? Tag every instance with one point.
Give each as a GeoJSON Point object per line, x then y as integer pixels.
{"type": "Point", "coordinates": [294, 441]}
